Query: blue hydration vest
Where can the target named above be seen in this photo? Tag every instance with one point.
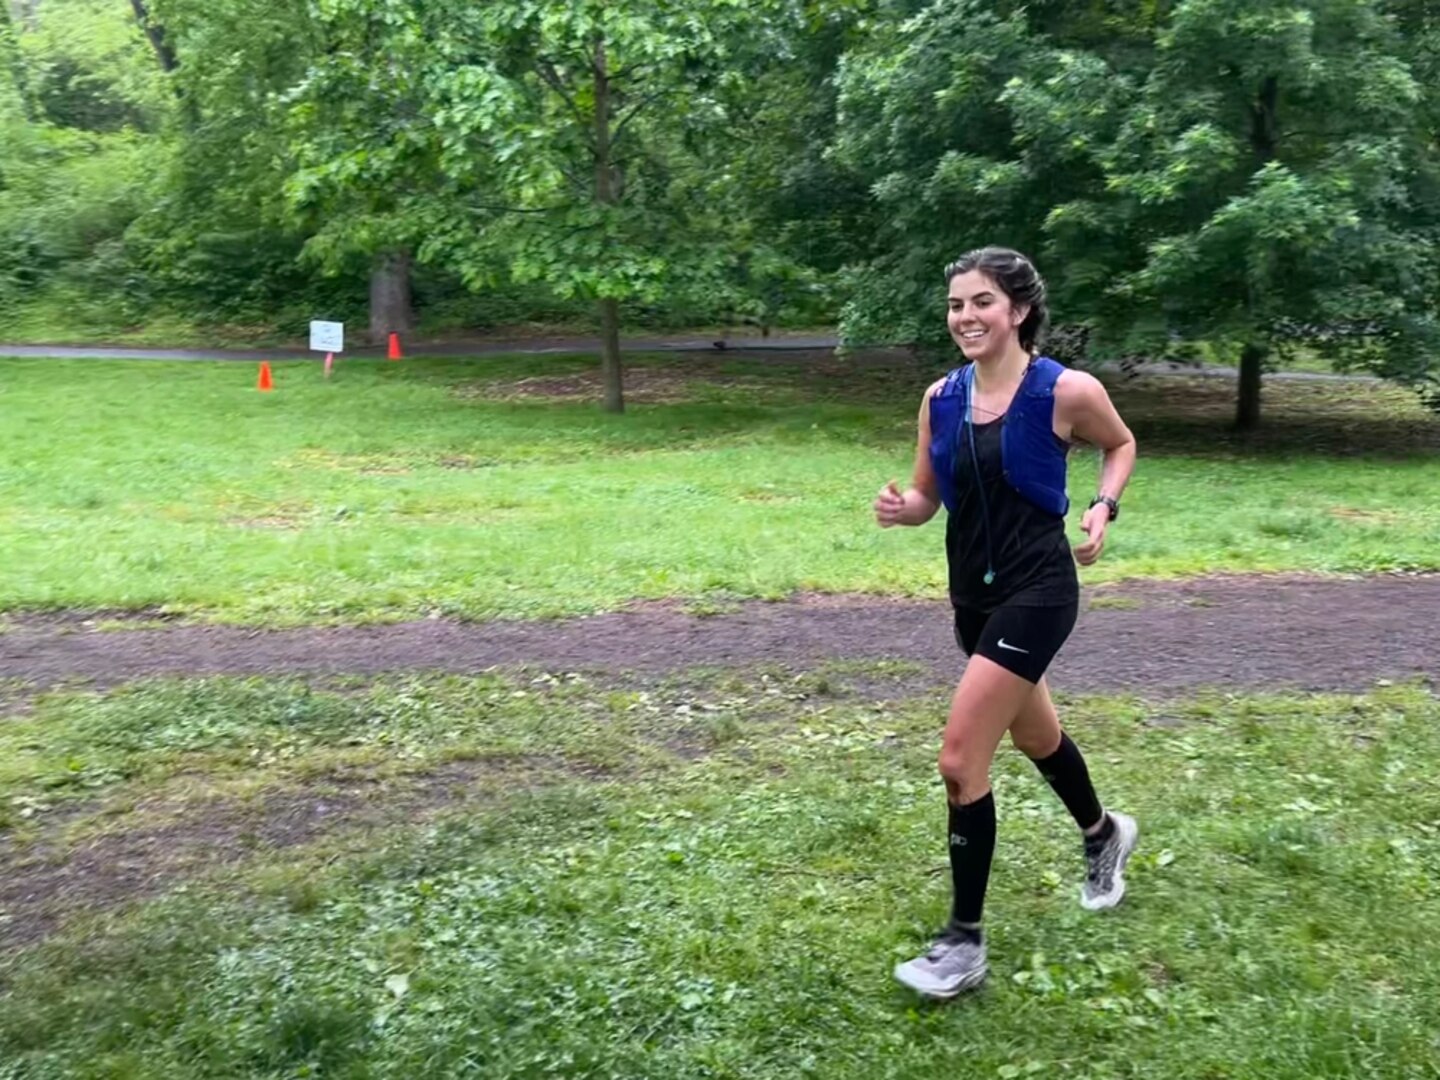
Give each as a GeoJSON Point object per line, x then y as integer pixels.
{"type": "Point", "coordinates": [1033, 457]}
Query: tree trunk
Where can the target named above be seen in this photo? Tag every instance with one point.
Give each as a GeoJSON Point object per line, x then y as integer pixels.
{"type": "Point", "coordinates": [610, 355]}
{"type": "Point", "coordinates": [605, 195]}
{"type": "Point", "coordinates": [1264, 120]}
{"type": "Point", "coordinates": [1264, 125]}
{"type": "Point", "coordinates": [1247, 411]}
{"type": "Point", "coordinates": [391, 308]}
{"type": "Point", "coordinates": [156, 35]}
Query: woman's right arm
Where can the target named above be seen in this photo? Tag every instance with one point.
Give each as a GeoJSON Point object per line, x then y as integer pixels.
{"type": "Point", "coordinates": [918, 503]}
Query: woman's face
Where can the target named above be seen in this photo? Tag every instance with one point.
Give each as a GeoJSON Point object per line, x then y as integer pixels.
{"type": "Point", "coordinates": [982, 320]}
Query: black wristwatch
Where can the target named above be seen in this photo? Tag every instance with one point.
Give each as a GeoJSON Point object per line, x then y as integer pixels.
{"type": "Point", "coordinates": [1111, 503]}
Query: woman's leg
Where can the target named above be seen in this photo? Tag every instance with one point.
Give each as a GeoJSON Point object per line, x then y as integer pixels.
{"type": "Point", "coordinates": [1109, 837]}
{"type": "Point", "coordinates": [1037, 734]}
{"type": "Point", "coordinates": [982, 708]}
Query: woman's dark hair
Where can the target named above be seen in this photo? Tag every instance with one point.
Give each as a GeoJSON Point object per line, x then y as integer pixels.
{"type": "Point", "coordinates": [1018, 279]}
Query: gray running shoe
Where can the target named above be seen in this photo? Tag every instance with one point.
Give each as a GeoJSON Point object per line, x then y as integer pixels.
{"type": "Point", "coordinates": [1105, 866]}
{"type": "Point", "coordinates": [955, 962]}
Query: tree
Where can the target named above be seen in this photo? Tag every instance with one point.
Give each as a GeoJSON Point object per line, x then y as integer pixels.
{"type": "Point", "coordinates": [222, 242]}
{"type": "Point", "coordinates": [1259, 181]}
{"type": "Point", "coordinates": [581, 135]}
{"type": "Point", "coordinates": [800, 215]}
{"type": "Point", "coordinates": [75, 120]}
{"type": "Point", "coordinates": [1239, 173]}
{"type": "Point", "coordinates": [14, 65]}
{"type": "Point", "coordinates": [924, 121]}
{"type": "Point", "coordinates": [155, 34]}
{"type": "Point", "coordinates": [367, 149]}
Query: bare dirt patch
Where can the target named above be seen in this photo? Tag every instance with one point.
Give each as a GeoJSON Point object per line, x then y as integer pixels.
{"type": "Point", "coordinates": [1191, 415]}
{"type": "Point", "coordinates": [1254, 633]}
{"type": "Point", "coordinates": [149, 849]}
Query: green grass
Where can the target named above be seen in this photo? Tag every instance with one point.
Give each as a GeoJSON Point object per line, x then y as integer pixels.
{"type": "Point", "coordinates": [737, 915]}
{"type": "Point", "coordinates": [405, 489]}
{"type": "Point", "coordinates": [1308, 358]}
{"type": "Point", "coordinates": [240, 733]}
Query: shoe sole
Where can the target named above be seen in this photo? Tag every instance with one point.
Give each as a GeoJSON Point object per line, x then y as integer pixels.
{"type": "Point", "coordinates": [969, 982]}
{"type": "Point", "coordinates": [1116, 894]}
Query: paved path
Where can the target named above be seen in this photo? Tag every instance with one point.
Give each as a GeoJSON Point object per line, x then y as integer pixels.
{"type": "Point", "coordinates": [539, 346]}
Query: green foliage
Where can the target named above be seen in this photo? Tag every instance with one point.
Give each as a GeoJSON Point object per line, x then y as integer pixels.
{"type": "Point", "coordinates": [588, 140]}
{"type": "Point", "coordinates": [86, 68]}
{"type": "Point", "coordinates": [221, 242]}
{"type": "Point", "coordinates": [290, 146]}
{"type": "Point", "coordinates": [1239, 174]}
{"type": "Point", "coordinates": [1241, 178]}
{"type": "Point", "coordinates": [75, 170]}
{"type": "Point", "coordinates": [1261, 178]}
{"type": "Point", "coordinates": [920, 119]}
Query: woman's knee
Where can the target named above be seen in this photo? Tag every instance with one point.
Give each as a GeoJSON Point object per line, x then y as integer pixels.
{"type": "Point", "coordinates": [1036, 743]}
{"type": "Point", "coordinates": [964, 769]}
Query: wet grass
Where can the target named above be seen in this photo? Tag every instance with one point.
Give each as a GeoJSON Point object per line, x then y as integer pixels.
{"type": "Point", "coordinates": [736, 910]}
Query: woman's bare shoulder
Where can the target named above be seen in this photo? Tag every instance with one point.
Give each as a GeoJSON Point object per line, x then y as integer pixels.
{"type": "Point", "coordinates": [1078, 389]}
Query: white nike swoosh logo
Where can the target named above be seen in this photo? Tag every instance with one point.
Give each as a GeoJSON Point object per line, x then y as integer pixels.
{"type": "Point", "coordinates": [1013, 648]}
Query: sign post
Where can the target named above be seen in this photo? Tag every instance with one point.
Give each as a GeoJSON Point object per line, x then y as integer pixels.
{"type": "Point", "coordinates": [329, 338]}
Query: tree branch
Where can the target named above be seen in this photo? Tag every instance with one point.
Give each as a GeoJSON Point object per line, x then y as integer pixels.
{"type": "Point", "coordinates": [629, 72]}
{"type": "Point", "coordinates": [581, 183]}
{"type": "Point", "coordinates": [631, 113]}
{"type": "Point", "coordinates": [546, 68]}
{"type": "Point", "coordinates": [1327, 135]}
{"type": "Point", "coordinates": [477, 208]}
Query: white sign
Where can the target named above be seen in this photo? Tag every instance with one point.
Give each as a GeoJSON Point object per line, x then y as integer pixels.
{"type": "Point", "coordinates": [327, 337]}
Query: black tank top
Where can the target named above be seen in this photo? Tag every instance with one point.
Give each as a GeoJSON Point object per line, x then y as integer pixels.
{"type": "Point", "coordinates": [1027, 550]}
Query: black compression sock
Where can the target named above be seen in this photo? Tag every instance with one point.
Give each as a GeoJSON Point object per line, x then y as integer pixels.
{"type": "Point", "coordinates": [1065, 771]}
{"type": "Point", "coordinates": [972, 847]}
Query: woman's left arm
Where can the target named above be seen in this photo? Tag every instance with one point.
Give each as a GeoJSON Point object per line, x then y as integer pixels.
{"type": "Point", "coordinates": [1086, 409]}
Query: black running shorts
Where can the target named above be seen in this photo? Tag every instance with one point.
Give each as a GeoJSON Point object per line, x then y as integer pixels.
{"type": "Point", "coordinates": [1022, 640]}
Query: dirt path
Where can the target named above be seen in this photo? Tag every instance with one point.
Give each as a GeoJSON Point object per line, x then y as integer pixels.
{"type": "Point", "coordinates": [1307, 633]}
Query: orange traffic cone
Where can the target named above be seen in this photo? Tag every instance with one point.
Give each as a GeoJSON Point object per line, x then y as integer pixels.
{"type": "Point", "coordinates": [266, 382]}
{"type": "Point", "coordinates": [395, 353]}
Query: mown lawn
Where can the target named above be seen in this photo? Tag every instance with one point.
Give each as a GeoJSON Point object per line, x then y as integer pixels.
{"type": "Point", "coordinates": [486, 488]}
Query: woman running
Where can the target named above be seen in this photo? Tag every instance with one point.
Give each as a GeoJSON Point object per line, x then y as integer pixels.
{"type": "Point", "coordinates": [994, 435]}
